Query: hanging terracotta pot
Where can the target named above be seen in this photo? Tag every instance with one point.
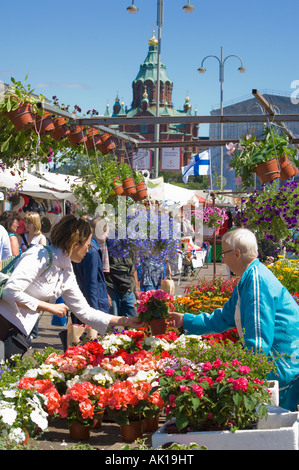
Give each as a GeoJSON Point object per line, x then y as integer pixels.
{"type": "Point", "coordinates": [132, 431]}
{"type": "Point", "coordinates": [79, 432]}
{"type": "Point", "coordinates": [22, 117]}
{"type": "Point", "coordinates": [141, 191]}
{"type": "Point", "coordinates": [61, 129]}
{"type": "Point", "coordinates": [118, 188]}
{"type": "Point", "coordinates": [151, 424]}
{"type": "Point", "coordinates": [267, 171]}
{"type": "Point", "coordinates": [158, 326]}
{"type": "Point", "coordinates": [106, 144]}
{"type": "Point", "coordinates": [93, 138]}
{"type": "Point", "coordinates": [44, 123]}
{"type": "Point", "coordinates": [286, 168]}
{"type": "Point", "coordinates": [77, 136]}
{"type": "Point", "coordinates": [129, 186]}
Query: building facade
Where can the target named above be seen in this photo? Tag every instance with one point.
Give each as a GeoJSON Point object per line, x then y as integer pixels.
{"type": "Point", "coordinates": [144, 104]}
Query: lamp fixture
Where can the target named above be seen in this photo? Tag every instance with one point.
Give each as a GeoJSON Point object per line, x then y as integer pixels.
{"type": "Point", "coordinates": [188, 8]}
{"type": "Point", "coordinates": [132, 9]}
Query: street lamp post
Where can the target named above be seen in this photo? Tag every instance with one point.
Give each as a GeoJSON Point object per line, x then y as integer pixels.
{"type": "Point", "coordinates": [241, 69]}
{"type": "Point", "coordinates": [188, 8]}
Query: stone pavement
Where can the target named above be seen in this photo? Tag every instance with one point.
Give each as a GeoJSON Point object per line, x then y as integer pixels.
{"type": "Point", "coordinates": [108, 437]}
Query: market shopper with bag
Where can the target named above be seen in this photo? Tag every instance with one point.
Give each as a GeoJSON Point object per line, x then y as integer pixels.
{"type": "Point", "coordinates": [261, 308]}
{"type": "Point", "coordinates": [35, 285]}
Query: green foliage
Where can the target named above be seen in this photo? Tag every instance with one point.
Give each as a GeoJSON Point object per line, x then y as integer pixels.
{"type": "Point", "coordinates": [249, 153]}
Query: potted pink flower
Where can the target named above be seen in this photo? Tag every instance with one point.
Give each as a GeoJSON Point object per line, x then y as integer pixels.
{"type": "Point", "coordinates": [153, 307]}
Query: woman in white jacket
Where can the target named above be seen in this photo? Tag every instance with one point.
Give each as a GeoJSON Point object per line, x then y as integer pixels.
{"type": "Point", "coordinates": [37, 281]}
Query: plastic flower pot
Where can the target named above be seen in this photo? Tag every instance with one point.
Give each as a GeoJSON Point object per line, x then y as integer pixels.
{"type": "Point", "coordinates": [132, 431]}
{"type": "Point", "coordinates": [44, 123]}
{"type": "Point", "coordinates": [141, 192]}
{"type": "Point", "coordinates": [158, 326]}
{"type": "Point", "coordinates": [77, 136]}
{"type": "Point", "coordinates": [79, 432]}
{"type": "Point", "coordinates": [286, 168]}
{"type": "Point", "coordinates": [267, 171]}
{"type": "Point", "coordinates": [93, 138]}
{"type": "Point", "coordinates": [151, 424]}
{"type": "Point", "coordinates": [61, 129]}
{"type": "Point", "coordinates": [22, 117]}
{"type": "Point", "coordinates": [118, 188]}
{"type": "Point", "coordinates": [129, 186]}
{"type": "Point", "coordinates": [106, 144]}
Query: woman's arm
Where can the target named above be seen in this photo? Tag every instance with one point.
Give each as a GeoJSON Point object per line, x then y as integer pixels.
{"type": "Point", "coordinates": [14, 243]}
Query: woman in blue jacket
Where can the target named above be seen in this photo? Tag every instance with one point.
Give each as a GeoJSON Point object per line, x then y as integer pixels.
{"type": "Point", "coordinates": [263, 311]}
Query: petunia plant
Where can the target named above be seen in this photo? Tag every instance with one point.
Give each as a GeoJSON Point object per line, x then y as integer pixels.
{"type": "Point", "coordinates": [272, 213]}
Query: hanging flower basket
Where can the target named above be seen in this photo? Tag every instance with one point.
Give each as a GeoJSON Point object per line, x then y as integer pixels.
{"type": "Point", "coordinates": [267, 171]}
{"type": "Point", "coordinates": [44, 123]}
{"type": "Point", "coordinates": [118, 188]}
{"type": "Point", "coordinates": [77, 136]}
{"type": "Point", "coordinates": [129, 186]}
{"type": "Point", "coordinates": [22, 117]}
{"type": "Point", "coordinates": [93, 139]}
{"type": "Point", "coordinates": [106, 144]}
{"type": "Point", "coordinates": [141, 191]}
{"type": "Point", "coordinates": [61, 129]}
{"type": "Point", "coordinates": [286, 168]}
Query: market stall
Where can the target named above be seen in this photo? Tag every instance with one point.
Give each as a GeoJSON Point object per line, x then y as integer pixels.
{"type": "Point", "coordinates": [23, 192]}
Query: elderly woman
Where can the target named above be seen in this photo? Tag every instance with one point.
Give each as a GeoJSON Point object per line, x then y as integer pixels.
{"type": "Point", "coordinates": [264, 312]}
{"type": "Point", "coordinates": [42, 275]}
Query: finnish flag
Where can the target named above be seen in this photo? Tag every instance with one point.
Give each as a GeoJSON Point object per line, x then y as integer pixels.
{"type": "Point", "coordinates": [199, 165]}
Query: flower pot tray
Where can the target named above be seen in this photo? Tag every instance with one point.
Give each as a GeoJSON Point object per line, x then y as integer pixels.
{"type": "Point", "coordinates": [278, 432]}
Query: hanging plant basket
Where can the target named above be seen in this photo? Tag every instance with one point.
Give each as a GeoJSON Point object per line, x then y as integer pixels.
{"type": "Point", "coordinates": [129, 186]}
{"type": "Point", "coordinates": [286, 168]}
{"type": "Point", "coordinates": [141, 191]}
{"type": "Point", "coordinates": [77, 136]}
{"type": "Point", "coordinates": [267, 171]}
{"type": "Point", "coordinates": [93, 139]}
{"type": "Point", "coordinates": [118, 188]}
{"type": "Point", "coordinates": [22, 117]}
{"type": "Point", "coordinates": [106, 145]}
{"type": "Point", "coordinates": [61, 129]}
{"type": "Point", "coordinates": [44, 123]}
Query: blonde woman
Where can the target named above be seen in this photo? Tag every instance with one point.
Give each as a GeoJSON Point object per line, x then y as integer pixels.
{"type": "Point", "coordinates": [34, 286]}
{"type": "Point", "coordinates": [32, 235]}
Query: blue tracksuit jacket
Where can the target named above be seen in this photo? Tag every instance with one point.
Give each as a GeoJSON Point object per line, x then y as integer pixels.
{"type": "Point", "coordinates": [267, 316]}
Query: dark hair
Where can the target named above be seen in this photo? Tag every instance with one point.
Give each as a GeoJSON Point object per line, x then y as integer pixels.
{"type": "Point", "coordinates": [7, 219]}
{"type": "Point", "coordinates": [68, 231]}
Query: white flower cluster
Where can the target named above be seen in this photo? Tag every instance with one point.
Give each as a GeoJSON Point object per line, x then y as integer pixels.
{"type": "Point", "coordinates": [10, 419]}
{"type": "Point", "coordinates": [111, 343]}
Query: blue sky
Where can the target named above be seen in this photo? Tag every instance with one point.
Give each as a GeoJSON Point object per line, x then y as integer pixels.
{"type": "Point", "coordinates": [86, 53]}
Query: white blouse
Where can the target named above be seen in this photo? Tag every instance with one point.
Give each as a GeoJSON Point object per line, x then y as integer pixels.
{"type": "Point", "coordinates": [32, 282]}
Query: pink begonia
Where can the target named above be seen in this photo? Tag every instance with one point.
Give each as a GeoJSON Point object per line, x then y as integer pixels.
{"type": "Point", "coordinates": [184, 388]}
{"type": "Point", "coordinates": [206, 366]}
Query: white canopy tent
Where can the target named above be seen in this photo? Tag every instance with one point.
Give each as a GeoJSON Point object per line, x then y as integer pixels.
{"type": "Point", "coordinates": [34, 186]}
